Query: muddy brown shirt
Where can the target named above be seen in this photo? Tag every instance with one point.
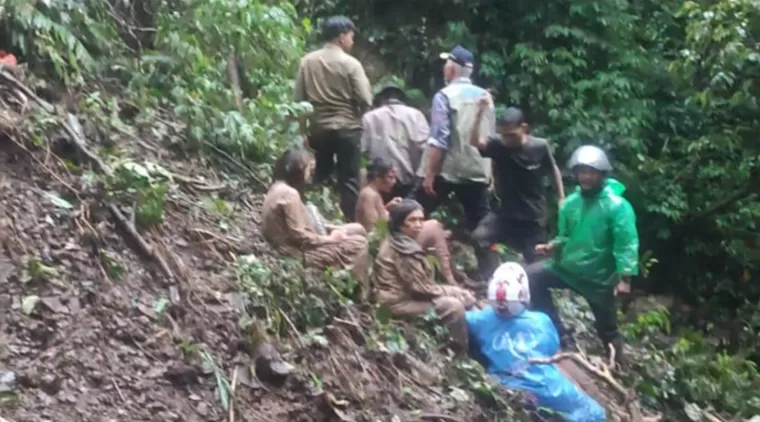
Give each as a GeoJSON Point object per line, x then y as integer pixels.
{"type": "Point", "coordinates": [403, 277]}
{"type": "Point", "coordinates": [335, 84]}
{"type": "Point", "coordinates": [287, 226]}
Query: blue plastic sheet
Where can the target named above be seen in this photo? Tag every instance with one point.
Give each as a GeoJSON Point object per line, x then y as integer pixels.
{"type": "Point", "coordinates": [505, 344]}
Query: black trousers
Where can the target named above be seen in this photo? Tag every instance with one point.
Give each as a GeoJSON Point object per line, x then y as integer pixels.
{"type": "Point", "coordinates": [399, 191]}
{"type": "Point", "coordinates": [522, 236]}
{"type": "Point", "coordinates": [605, 312]}
{"type": "Point", "coordinates": [472, 195]}
{"type": "Point", "coordinates": [343, 146]}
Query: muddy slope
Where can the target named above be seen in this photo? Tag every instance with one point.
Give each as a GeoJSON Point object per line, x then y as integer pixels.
{"type": "Point", "coordinates": [92, 330]}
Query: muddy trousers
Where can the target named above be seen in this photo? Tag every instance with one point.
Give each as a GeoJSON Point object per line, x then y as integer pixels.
{"type": "Point", "coordinates": [605, 311]}
{"type": "Point", "coordinates": [450, 311]}
{"type": "Point", "coordinates": [473, 197]}
{"type": "Point", "coordinates": [342, 146]}
{"type": "Point", "coordinates": [433, 236]}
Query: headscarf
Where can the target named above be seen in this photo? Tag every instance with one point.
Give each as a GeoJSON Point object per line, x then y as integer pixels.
{"type": "Point", "coordinates": [400, 242]}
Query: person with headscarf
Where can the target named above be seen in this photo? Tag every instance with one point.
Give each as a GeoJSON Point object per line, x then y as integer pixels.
{"type": "Point", "coordinates": [596, 250]}
{"type": "Point", "coordinates": [505, 336]}
{"type": "Point", "coordinates": [382, 177]}
{"type": "Point", "coordinates": [403, 278]}
{"type": "Point", "coordinates": [287, 225]}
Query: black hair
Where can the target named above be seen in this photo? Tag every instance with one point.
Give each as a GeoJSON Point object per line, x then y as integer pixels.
{"type": "Point", "coordinates": [379, 167]}
{"type": "Point", "coordinates": [511, 116]}
{"type": "Point", "coordinates": [387, 94]}
{"type": "Point", "coordinates": [398, 214]}
{"type": "Point", "coordinates": [335, 26]}
{"type": "Point", "coordinates": [290, 167]}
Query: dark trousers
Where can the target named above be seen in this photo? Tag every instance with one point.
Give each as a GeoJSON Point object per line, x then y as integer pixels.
{"type": "Point", "coordinates": [522, 236]}
{"type": "Point", "coordinates": [472, 195]}
{"type": "Point", "coordinates": [343, 145]}
{"type": "Point", "coordinates": [605, 312]}
{"type": "Point", "coordinates": [399, 191]}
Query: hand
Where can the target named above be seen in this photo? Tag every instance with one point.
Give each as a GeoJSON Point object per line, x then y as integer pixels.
{"type": "Point", "coordinates": [337, 235]}
{"type": "Point", "coordinates": [623, 287]}
{"type": "Point", "coordinates": [560, 201]}
{"type": "Point", "coordinates": [427, 184]}
{"type": "Point", "coordinates": [485, 101]}
{"type": "Point", "coordinates": [393, 202]}
{"type": "Point", "coordinates": [468, 299]}
{"type": "Point", "coordinates": [544, 248]}
{"type": "Point", "coordinates": [464, 295]}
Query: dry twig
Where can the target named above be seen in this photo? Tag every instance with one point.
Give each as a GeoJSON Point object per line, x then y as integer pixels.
{"type": "Point", "coordinates": [438, 416]}
{"type": "Point", "coordinates": [231, 417]}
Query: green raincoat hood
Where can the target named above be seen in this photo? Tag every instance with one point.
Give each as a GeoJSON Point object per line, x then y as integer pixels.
{"type": "Point", "coordinates": [617, 187]}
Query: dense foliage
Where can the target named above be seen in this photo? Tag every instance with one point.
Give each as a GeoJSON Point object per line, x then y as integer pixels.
{"type": "Point", "coordinates": [670, 88]}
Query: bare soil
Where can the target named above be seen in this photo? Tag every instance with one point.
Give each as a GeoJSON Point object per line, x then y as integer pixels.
{"type": "Point", "coordinates": [96, 349]}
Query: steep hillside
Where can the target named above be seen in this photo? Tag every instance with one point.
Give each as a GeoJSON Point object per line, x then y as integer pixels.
{"type": "Point", "coordinates": [134, 283]}
{"type": "Point", "coordinates": [99, 324]}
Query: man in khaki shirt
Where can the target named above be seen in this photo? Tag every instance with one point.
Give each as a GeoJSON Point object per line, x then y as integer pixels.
{"type": "Point", "coordinates": [335, 84]}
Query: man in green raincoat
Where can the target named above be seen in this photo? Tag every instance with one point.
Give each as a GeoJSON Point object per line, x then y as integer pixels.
{"type": "Point", "coordinates": [596, 249]}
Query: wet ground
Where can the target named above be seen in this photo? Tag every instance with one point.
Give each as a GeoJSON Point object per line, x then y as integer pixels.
{"type": "Point", "coordinates": [92, 331]}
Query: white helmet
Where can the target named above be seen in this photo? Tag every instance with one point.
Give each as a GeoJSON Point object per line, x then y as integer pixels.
{"type": "Point", "coordinates": [508, 290]}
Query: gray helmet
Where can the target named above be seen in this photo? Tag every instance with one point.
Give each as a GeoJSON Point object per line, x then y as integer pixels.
{"type": "Point", "coordinates": [591, 156]}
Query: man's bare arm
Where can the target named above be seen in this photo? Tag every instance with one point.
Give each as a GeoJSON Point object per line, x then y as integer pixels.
{"type": "Point", "coordinates": [556, 175]}
{"type": "Point", "coordinates": [558, 185]}
{"type": "Point", "coordinates": [435, 158]}
{"type": "Point", "coordinates": [475, 139]}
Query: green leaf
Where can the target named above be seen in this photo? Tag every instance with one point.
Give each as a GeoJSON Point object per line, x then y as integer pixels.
{"type": "Point", "coordinates": [58, 201]}
{"type": "Point", "coordinates": [159, 306]}
{"type": "Point", "coordinates": [383, 315]}
{"type": "Point", "coordinates": [29, 303]}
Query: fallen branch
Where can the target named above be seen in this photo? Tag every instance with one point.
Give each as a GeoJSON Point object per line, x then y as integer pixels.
{"type": "Point", "coordinates": [604, 374]}
{"type": "Point", "coordinates": [233, 400]}
{"type": "Point", "coordinates": [197, 184]}
{"type": "Point", "coordinates": [434, 416]}
{"type": "Point", "coordinates": [208, 235]}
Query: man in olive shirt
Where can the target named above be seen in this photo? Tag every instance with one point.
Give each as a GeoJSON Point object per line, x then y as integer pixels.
{"type": "Point", "coordinates": [521, 163]}
{"type": "Point", "coordinates": [335, 84]}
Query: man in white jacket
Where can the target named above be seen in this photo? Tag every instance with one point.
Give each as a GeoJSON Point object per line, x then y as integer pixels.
{"type": "Point", "coordinates": [395, 132]}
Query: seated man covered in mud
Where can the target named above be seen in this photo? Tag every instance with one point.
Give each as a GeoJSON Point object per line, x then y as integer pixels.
{"type": "Point", "coordinates": [505, 336]}
{"type": "Point", "coordinates": [286, 223]}
{"type": "Point", "coordinates": [403, 278]}
{"type": "Point", "coordinates": [381, 178]}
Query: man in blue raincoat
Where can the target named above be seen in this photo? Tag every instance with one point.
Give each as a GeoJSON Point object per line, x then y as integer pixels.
{"type": "Point", "coordinates": [595, 252]}
{"type": "Point", "coordinates": [505, 336]}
